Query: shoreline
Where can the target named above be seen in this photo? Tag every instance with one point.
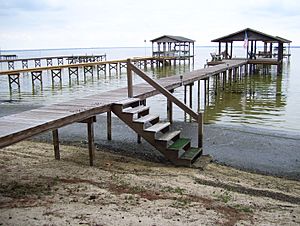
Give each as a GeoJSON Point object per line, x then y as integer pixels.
{"type": "Point", "coordinates": [259, 150]}
{"type": "Point", "coordinates": [254, 150]}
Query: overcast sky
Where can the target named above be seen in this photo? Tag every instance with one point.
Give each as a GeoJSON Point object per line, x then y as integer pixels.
{"type": "Point", "coordinates": [32, 24]}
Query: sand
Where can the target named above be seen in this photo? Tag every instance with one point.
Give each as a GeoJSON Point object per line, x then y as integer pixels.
{"type": "Point", "coordinates": [38, 190]}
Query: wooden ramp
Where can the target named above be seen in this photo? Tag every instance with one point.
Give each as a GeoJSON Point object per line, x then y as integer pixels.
{"type": "Point", "coordinates": [17, 127]}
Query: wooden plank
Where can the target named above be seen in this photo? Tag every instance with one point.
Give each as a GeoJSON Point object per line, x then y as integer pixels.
{"type": "Point", "coordinates": [23, 125]}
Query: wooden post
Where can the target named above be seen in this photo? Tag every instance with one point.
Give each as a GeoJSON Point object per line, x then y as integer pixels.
{"type": "Point", "coordinates": [170, 109]}
{"type": "Point", "coordinates": [200, 130]}
{"type": "Point", "coordinates": [36, 75]}
{"type": "Point", "coordinates": [198, 87]}
{"type": "Point", "coordinates": [224, 79]}
{"type": "Point", "coordinates": [191, 95]}
{"type": "Point", "coordinates": [56, 144]}
{"type": "Point", "coordinates": [216, 84]}
{"type": "Point", "coordinates": [90, 130]}
{"type": "Point", "coordinates": [139, 138]}
{"type": "Point", "coordinates": [184, 94]}
{"type": "Point", "coordinates": [108, 125]}
{"type": "Point", "coordinates": [129, 78]}
{"type": "Point", "coordinates": [14, 78]}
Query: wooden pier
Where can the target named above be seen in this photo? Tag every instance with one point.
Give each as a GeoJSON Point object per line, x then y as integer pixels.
{"type": "Point", "coordinates": [49, 61]}
{"type": "Point", "coordinates": [18, 127]}
{"type": "Point", "coordinates": [89, 68]}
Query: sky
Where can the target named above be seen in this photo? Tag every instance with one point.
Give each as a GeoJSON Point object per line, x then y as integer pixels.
{"type": "Point", "coordinates": [47, 24]}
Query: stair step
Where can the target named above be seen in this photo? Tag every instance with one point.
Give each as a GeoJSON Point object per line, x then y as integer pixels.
{"type": "Point", "coordinates": [146, 118]}
{"type": "Point", "coordinates": [179, 144]}
{"type": "Point", "coordinates": [127, 101]}
{"type": "Point", "coordinates": [168, 135]}
{"type": "Point", "coordinates": [136, 110]}
{"type": "Point", "coordinates": [157, 127]}
{"type": "Point", "coordinates": [191, 153]}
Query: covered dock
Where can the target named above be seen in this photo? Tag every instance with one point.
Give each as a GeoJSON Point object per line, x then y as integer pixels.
{"type": "Point", "coordinates": [173, 46]}
{"type": "Point", "coordinates": [273, 46]}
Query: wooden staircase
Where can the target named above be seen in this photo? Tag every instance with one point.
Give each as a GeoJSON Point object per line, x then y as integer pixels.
{"type": "Point", "coordinates": [176, 149]}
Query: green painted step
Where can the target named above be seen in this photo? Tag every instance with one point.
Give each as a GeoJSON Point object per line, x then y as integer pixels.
{"type": "Point", "coordinates": [179, 144]}
{"type": "Point", "coordinates": [191, 153]}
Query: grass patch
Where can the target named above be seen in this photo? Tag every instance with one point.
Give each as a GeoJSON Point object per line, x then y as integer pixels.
{"type": "Point", "coordinates": [170, 189]}
{"type": "Point", "coordinates": [224, 197]}
{"type": "Point", "coordinates": [242, 208]}
{"type": "Point", "coordinates": [19, 190]}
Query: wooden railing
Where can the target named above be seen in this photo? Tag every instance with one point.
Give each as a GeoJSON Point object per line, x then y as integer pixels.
{"type": "Point", "coordinates": [197, 116]}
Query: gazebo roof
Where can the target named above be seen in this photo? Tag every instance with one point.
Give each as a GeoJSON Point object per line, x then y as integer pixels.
{"type": "Point", "coordinates": [172, 38]}
{"type": "Point", "coordinates": [252, 35]}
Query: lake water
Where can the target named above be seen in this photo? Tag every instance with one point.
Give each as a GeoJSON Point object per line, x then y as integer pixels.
{"type": "Point", "coordinates": [268, 101]}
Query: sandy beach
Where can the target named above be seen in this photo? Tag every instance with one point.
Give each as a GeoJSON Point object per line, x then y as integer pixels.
{"type": "Point", "coordinates": [132, 184]}
{"type": "Point", "coordinates": [119, 190]}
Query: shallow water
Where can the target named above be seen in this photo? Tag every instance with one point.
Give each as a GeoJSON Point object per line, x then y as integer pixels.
{"type": "Point", "coordinates": [262, 100]}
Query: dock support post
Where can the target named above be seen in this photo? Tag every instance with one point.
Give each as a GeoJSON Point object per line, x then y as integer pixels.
{"type": "Point", "coordinates": [101, 67]}
{"type": "Point", "coordinates": [170, 109]}
{"type": "Point", "coordinates": [108, 125]}
{"type": "Point", "coordinates": [36, 75]}
{"type": "Point", "coordinates": [198, 87]}
{"type": "Point", "coordinates": [73, 71]}
{"type": "Point", "coordinates": [56, 73]}
{"type": "Point", "coordinates": [200, 130]}
{"type": "Point", "coordinates": [184, 98]}
{"type": "Point", "coordinates": [129, 78]}
{"type": "Point", "coordinates": [139, 138]}
{"type": "Point", "coordinates": [224, 80]}
{"type": "Point", "coordinates": [191, 94]}
{"type": "Point", "coordinates": [87, 69]}
{"type": "Point", "coordinates": [216, 84]}
{"type": "Point", "coordinates": [14, 78]}
{"type": "Point", "coordinates": [90, 130]}
{"type": "Point", "coordinates": [56, 144]}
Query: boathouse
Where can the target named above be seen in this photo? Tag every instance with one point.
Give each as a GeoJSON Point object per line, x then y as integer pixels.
{"type": "Point", "coordinates": [173, 46]}
{"type": "Point", "coordinates": [273, 46]}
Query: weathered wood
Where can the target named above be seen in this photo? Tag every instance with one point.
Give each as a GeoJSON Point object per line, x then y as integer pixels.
{"type": "Point", "coordinates": [129, 78]}
{"type": "Point", "coordinates": [108, 126]}
{"type": "Point", "coordinates": [91, 144]}
{"type": "Point", "coordinates": [36, 75]}
{"type": "Point", "coordinates": [56, 144]}
{"type": "Point", "coordinates": [14, 79]}
{"type": "Point", "coordinates": [30, 123]}
{"type": "Point", "coordinates": [200, 129]}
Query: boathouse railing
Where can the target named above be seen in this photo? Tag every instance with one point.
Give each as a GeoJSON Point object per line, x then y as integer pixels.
{"type": "Point", "coordinates": [170, 97]}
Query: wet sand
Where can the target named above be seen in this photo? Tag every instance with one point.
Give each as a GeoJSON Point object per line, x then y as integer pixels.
{"type": "Point", "coordinates": [255, 150]}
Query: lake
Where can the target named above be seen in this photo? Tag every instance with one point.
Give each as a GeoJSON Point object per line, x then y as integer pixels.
{"type": "Point", "coordinates": [268, 101]}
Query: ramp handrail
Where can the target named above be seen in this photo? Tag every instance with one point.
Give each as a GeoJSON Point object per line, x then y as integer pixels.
{"type": "Point", "coordinates": [197, 116]}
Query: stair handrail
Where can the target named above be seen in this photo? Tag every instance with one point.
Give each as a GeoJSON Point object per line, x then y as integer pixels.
{"type": "Point", "coordinates": [197, 116]}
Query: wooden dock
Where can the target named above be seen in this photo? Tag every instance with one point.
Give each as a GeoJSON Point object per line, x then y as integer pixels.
{"type": "Point", "coordinates": [18, 127]}
{"type": "Point", "coordinates": [49, 61]}
{"type": "Point", "coordinates": [89, 68]}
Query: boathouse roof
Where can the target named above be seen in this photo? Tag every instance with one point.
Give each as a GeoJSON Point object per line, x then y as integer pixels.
{"type": "Point", "coordinates": [172, 38]}
{"type": "Point", "coordinates": [252, 35]}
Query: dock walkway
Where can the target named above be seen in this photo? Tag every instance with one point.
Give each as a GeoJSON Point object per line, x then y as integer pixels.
{"type": "Point", "coordinates": [17, 127]}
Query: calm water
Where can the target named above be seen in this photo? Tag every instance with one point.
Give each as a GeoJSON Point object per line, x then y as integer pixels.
{"type": "Point", "coordinates": [263, 100]}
